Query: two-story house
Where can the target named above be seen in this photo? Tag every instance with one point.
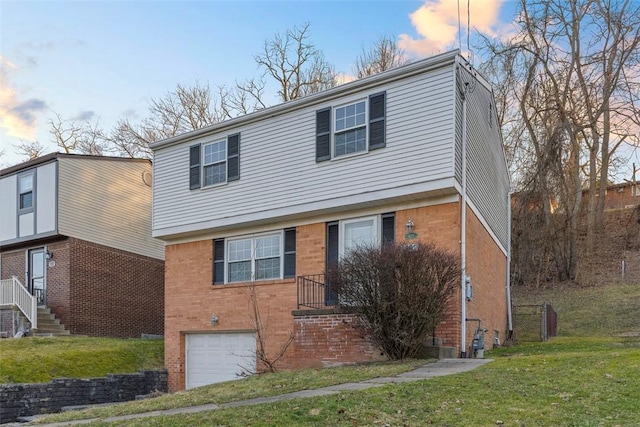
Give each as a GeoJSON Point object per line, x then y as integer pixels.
{"type": "Point", "coordinates": [263, 203]}
{"type": "Point", "coordinates": [75, 242]}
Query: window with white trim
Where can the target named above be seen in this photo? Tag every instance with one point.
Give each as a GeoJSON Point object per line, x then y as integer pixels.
{"type": "Point", "coordinates": [25, 191]}
{"type": "Point", "coordinates": [214, 166]}
{"type": "Point", "coordinates": [254, 258]}
{"type": "Point", "coordinates": [350, 129]}
{"type": "Point", "coordinates": [358, 232]}
{"type": "Point", "coordinates": [358, 126]}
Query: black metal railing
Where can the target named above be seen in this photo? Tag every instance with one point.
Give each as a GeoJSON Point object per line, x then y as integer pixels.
{"type": "Point", "coordinates": [314, 291]}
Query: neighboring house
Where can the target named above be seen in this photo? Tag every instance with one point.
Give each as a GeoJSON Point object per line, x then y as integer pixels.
{"type": "Point", "coordinates": [75, 238]}
{"type": "Point", "coordinates": [265, 202]}
{"type": "Point", "coordinates": [617, 196]}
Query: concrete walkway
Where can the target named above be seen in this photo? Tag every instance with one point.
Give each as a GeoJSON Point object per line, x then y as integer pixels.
{"type": "Point", "coordinates": [430, 370]}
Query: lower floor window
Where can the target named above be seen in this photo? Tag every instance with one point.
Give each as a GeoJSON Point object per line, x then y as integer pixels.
{"type": "Point", "coordinates": [254, 258]}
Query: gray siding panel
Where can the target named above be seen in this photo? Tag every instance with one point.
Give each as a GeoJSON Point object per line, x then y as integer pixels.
{"type": "Point", "coordinates": [487, 176]}
{"type": "Point", "coordinates": [106, 201]}
{"type": "Point", "coordinates": [278, 158]}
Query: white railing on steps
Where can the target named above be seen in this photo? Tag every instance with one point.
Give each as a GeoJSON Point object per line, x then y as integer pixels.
{"type": "Point", "coordinates": [13, 293]}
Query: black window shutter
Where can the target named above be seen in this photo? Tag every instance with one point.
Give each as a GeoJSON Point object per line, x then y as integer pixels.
{"type": "Point", "coordinates": [289, 253]}
{"type": "Point", "coordinates": [332, 244]}
{"type": "Point", "coordinates": [233, 157]}
{"type": "Point", "coordinates": [218, 261]}
{"type": "Point", "coordinates": [323, 135]}
{"type": "Point", "coordinates": [377, 111]}
{"type": "Point", "coordinates": [388, 228]}
{"type": "Point", "coordinates": [330, 295]}
{"type": "Point", "coordinates": [194, 167]}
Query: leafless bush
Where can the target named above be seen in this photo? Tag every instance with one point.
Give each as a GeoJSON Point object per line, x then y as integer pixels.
{"type": "Point", "coordinates": [399, 291]}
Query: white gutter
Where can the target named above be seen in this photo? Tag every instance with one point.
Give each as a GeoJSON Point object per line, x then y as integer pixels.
{"type": "Point", "coordinates": [508, 278]}
{"type": "Point", "coordinates": [463, 231]}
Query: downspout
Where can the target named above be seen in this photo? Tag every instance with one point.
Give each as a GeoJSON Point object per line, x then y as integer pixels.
{"type": "Point", "coordinates": [508, 278]}
{"type": "Point", "coordinates": [463, 231]}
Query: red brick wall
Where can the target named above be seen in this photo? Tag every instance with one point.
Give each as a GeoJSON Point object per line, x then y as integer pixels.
{"type": "Point", "coordinates": [486, 266]}
{"type": "Point", "coordinates": [13, 264]}
{"type": "Point", "coordinates": [114, 293]}
{"type": "Point", "coordinates": [191, 298]}
{"type": "Point", "coordinates": [57, 276]}
{"type": "Point", "coordinates": [97, 290]}
{"type": "Point", "coordinates": [323, 340]}
{"type": "Point", "coordinates": [59, 282]}
{"type": "Point", "coordinates": [440, 225]}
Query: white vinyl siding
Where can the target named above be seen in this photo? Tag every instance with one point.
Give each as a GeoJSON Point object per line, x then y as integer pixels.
{"type": "Point", "coordinates": [107, 202]}
{"type": "Point", "coordinates": [9, 210]}
{"type": "Point", "coordinates": [46, 199]}
{"type": "Point", "coordinates": [487, 176]}
{"type": "Point", "coordinates": [28, 208]}
{"type": "Point", "coordinates": [279, 171]}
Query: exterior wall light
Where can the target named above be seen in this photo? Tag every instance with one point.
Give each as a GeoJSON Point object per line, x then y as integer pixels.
{"type": "Point", "coordinates": [410, 234]}
{"type": "Point", "coordinates": [48, 254]}
{"type": "Point", "coordinates": [214, 320]}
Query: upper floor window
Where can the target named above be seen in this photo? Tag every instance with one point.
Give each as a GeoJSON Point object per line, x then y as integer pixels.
{"type": "Point", "coordinates": [356, 127]}
{"type": "Point", "coordinates": [214, 167]}
{"type": "Point", "coordinates": [214, 162]}
{"type": "Point", "coordinates": [350, 129]}
{"type": "Point", "coordinates": [25, 191]}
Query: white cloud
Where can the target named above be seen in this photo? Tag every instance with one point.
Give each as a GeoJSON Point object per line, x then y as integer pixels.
{"type": "Point", "coordinates": [17, 116]}
{"type": "Point", "coordinates": [436, 22]}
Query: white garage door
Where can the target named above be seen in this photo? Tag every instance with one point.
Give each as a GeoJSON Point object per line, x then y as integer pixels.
{"type": "Point", "coordinates": [213, 358]}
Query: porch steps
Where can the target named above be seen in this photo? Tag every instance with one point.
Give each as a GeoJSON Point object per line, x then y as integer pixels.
{"type": "Point", "coordinates": [48, 324]}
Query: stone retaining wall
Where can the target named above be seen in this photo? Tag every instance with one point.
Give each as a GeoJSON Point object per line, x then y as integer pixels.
{"type": "Point", "coordinates": [22, 400]}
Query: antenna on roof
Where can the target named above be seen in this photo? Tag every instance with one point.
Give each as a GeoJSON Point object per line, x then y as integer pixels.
{"type": "Point", "coordinates": [459, 28]}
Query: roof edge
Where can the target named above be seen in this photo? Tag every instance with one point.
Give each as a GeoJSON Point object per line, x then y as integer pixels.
{"type": "Point", "coordinates": [54, 156]}
{"type": "Point", "coordinates": [413, 68]}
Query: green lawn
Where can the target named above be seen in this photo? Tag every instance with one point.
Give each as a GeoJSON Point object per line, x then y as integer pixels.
{"type": "Point", "coordinates": [29, 360]}
{"type": "Point", "coordinates": [590, 311]}
{"type": "Point", "coordinates": [565, 382]}
{"type": "Point", "coordinates": [589, 376]}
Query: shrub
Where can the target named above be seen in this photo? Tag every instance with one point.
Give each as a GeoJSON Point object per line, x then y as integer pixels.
{"type": "Point", "coordinates": [400, 292]}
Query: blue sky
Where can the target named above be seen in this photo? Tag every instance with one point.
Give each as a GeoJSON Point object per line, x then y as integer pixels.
{"type": "Point", "coordinates": [106, 59]}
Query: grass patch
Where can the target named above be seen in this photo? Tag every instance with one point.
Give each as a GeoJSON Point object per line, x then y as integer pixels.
{"type": "Point", "coordinates": [32, 360]}
{"type": "Point", "coordinates": [565, 382]}
{"type": "Point", "coordinates": [593, 311]}
{"type": "Point", "coordinates": [248, 388]}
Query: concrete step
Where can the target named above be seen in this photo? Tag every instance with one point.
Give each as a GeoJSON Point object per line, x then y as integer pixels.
{"type": "Point", "coordinates": [48, 324]}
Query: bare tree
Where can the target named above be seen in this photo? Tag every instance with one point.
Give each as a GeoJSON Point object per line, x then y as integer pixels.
{"type": "Point", "coordinates": [399, 291]}
{"type": "Point", "coordinates": [290, 61]}
{"type": "Point", "coordinates": [294, 64]}
{"type": "Point", "coordinates": [268, 359]}
{"type": "Point", "coordinates": [74, 137]}
{"type": "Point", "coordinates": [30, 149]}
{"type": "Point", "coordinates": [564, 85]}
{"type": "Point", "coordinates": [384, 55]}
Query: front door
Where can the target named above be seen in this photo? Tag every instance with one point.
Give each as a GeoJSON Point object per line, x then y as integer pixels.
{"type": "Point", "coordinates": [37, 283]}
